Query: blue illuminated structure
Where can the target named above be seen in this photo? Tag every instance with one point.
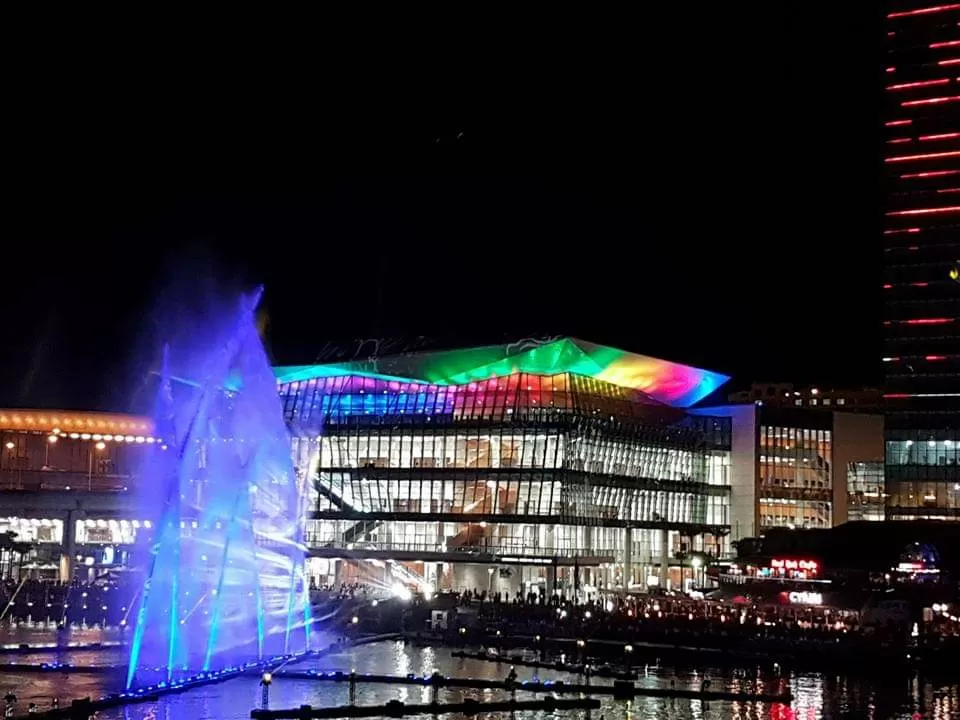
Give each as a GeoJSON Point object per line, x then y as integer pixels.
{"type": "Point", "coordinates": [225, 585]}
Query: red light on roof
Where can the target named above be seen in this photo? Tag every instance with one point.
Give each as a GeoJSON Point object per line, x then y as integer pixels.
{"type": "Point", "coordinates": [948, 190]}
{"type": "Point", "coordinates": [887, 286]}
{"type": "Point", "coordinates": [949, 61]}
{"type": "Point", "coordinates": [899, 140]}
{"type": "Point", "coordinates": [891, 69]}
{"type": "Point", "coordinates": [896, 396]}
{"type": "Point", "coordinates": [931, 101]}
{"type": "Point", "coordinates": [893, 123]}
{"type": "Point", "coordinates": [919, 84]}
{"type": "Point", "coordinates": [926, 156]}
{"type": "Point", "coordinates": [947, 43]}
{"type": "Point", "coordinates": [904, 230]}
{"type": "Point", "coordinates": [939, 136]}
{"type": "Point", "coordinates": [931, 173]}
{"type": "Point", "coordinates": [928, 321]}
{"type": "Point", "coordinates": [924, 11]}
{"type": "Point", "coordinates": [919, 284]}
{"type": "Point", "coordinates": [927, 211]}
{"type": "Point", "coordinates": [935, 358]}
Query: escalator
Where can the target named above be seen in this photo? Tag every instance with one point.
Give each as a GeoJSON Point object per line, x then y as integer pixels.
{"type": "Point", "coordinates": [471, 538]}
{"type": "Point", "coordinates": [357, 532]}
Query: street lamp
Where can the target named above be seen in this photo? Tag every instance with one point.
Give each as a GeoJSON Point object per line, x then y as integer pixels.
{"type": "Point", "coordinates": [489, 581]}
{"type": "Point", "coordinates": [51, 440]}
{"type": "Point", "coordinates": [100, 446]}
{"type": "Point", "coordinates": [695, 563]}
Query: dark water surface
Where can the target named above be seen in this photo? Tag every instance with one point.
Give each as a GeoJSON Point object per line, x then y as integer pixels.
{"type": "Point", "coordinates": [815, 695]}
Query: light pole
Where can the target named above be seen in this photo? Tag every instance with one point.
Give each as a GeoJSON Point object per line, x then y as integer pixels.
{"type": "Point", "coordinates": [51, 440]}
{"type": "Point", "coordinates": [9, 445]}
{"type": "Point", "coordinates": [489, 581]}
{"type": "Point", "coordinates": [695, 563]}
{"type": "Point", "coordinates": [101, 445]}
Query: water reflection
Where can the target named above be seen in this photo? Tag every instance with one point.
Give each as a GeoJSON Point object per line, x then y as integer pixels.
{"type": "Point", "coordinates": [815, 696]}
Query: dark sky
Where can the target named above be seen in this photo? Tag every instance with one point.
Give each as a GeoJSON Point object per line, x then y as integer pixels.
{"type": "Point", "coordinates": [700, 187]}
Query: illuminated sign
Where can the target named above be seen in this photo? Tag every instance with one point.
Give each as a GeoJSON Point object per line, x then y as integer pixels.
{"type": "Point", "coordinates": [811, 566]}
{"type": "Point", "coordinates": [806, 598]}
{"type": "Point", "coordinates": [915, 567]}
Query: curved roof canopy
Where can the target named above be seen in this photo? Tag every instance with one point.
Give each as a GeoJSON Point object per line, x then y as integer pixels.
{"type": "Point", "coordinates": [668, 382]}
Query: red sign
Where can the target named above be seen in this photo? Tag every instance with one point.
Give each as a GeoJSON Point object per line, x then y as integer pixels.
{"type": "Point", "coordinates": [809, 566]}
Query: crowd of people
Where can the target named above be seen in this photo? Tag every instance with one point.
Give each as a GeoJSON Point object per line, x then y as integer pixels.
{"type": "Point", "coordinates": [675, 619]}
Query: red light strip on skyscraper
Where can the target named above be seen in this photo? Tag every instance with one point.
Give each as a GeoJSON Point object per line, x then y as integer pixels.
{"type": "Point", "coordinates": [927, 211]}
{"type": "Point", "coordinates": [891, 69]}
{"type": "Point", "coordinates": [927, 156]}
{"type": "Point", "coordinates": [932, 173]}
{"type": "Point", "coordinates": [948, 61]}
{"type": "Point", "coordinates": [948, 191]}
{"type": "Point", "coordinates": [947, 43]}
{"type": "Point", "coordinates": [918, 284]}
{"type": "Point", "coordinates": [897, 141]}
{"type": "Point", "coordinates": [928, 321]}
{"type": "Point", "coordinates": [923, 11]}
{"type": "Point", "coordinates": [935, 358]}
{"type": "Point", "coordinates": [902, 230]}
{"type": "Point", "coordinates": [894, 123]}
{"type": "Point", "coordinates": [931, 101]}
{"type": "Point", "coordinates": [919, 84]}
{"type": "Point", "coordinates": [939, 136]}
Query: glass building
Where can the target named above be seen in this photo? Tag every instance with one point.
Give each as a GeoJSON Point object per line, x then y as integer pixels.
{"type": "Point", "coordinates": [796, 457]}
{"type": "Point", "coordinates": [512, 468]}
{"type": "Point", "coordinates": [921, 272]}
{"type": "Point", "coordinates": [865, 491]}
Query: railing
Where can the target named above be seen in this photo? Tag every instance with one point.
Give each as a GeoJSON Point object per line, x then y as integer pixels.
{"type": "Point", "coordinates": [517, 549]}
{"type": "Point", "coordinates": [62, 481]}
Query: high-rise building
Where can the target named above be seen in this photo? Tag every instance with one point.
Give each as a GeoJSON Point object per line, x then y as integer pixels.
{"type": "Point", "coordinates": [921, 245]}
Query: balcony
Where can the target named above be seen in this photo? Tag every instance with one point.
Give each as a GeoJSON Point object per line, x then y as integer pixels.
{"type": "Point", "coordinates": [420, 549]}
{"type": "Point", "coordinates": [61, 481]}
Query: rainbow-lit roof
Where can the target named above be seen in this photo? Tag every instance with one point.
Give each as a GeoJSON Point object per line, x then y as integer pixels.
{"type": "Point", "coordinates": [668, 382]}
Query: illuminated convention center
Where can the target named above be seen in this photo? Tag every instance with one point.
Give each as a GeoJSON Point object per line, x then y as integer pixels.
{"type": "Point", "coordinates": [536, 466]}
{"type": "Point", "coordinates": [529, 467]}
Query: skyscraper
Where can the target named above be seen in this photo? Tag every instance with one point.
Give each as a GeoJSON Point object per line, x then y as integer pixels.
{"type": "Point", "coordinates": [921, 245]}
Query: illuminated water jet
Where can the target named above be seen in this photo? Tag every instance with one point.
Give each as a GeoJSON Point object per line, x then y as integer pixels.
{"type": "Point", "coordinates": [225, 582]}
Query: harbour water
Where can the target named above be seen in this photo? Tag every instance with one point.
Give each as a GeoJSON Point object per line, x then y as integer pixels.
{"type": "Point", "coordinates": [815, 695]}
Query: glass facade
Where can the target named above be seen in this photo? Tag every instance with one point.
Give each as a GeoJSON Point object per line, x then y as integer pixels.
{"type": "Point", "coordinates": [865, 491]}
{"type": "Point", "coordinates": [533, 465]}
{"type": "Point", "coordinates": [923, 474]}
{"type": "Point", "coordinates": [795, 485]}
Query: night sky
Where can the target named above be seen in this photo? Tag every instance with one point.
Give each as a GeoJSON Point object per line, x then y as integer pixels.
{"type": "Point", "coordinates": [699, 187]}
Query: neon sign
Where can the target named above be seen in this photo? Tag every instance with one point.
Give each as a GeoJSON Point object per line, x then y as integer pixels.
{"type": "Point", "coordinates": [810, 566]}
{"type": "Point", "coordinates": [805, 598]}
